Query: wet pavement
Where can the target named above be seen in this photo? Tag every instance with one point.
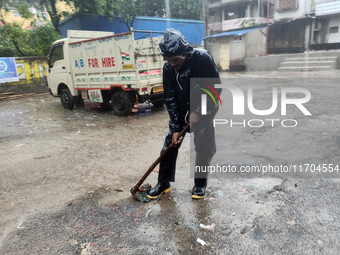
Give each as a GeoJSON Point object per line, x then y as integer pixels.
{"type": "Point", "coordinates": [66, 176]}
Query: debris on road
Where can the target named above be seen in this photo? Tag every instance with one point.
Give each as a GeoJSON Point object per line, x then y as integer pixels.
{"type": "Point", "coordinates": [141, 194]}
{"type": "Point", "coordinates": [201, 242]}
{"type": "Point", "coordinates": [147, 213]}
{"type": "Point", "coordinates": [9, 95]}
{"type": "Point", "coordinates": [210, 227]}
{"type": "Point", "coordinates": [19, 226]}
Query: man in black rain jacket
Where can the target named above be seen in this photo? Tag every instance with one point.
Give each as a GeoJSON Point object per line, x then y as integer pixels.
{"type": "Point", "coordinates": [182, 63]}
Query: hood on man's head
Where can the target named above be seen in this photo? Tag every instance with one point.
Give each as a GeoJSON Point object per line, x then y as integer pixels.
{"type": "Point", "coordinates": [174, 44]}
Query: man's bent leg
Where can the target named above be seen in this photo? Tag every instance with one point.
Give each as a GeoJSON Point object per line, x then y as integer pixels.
{"type": "Point", "coordinates": [167, 167]}
{"type": "Point", "coordinates": [167, 170]}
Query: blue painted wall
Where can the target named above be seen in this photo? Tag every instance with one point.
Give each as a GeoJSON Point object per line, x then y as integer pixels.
{"type": "Point", "coordinates": [193, 30]}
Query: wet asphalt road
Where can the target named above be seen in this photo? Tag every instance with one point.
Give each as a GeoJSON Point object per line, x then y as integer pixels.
{"type": "Point", "coordinates": [66, 176]}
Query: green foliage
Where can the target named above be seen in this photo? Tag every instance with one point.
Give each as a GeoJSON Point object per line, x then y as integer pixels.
{"type": "Point", "coordinates": [154, 8]}
{"type": "Point", "coordinates": [6, 46]}
{"type": "Point", "coordinates": [23, 10]}
{"type": "Point", "coordinates": [127, 10]}
{"type": "Point", "coordinates": [51, 8]}
{"type": "Point", "coordinates": [16, 34]}
{"type": "Point", "coordinates": [91, 6]}
{"type": "Point", "coordinates": [247, 23]}
{"type": "Point", "coordinates": [17, 41]}
{"type": "Point", "coordinates": [41, 39]}
{"type": "Point", "coordinates": [186, 9]}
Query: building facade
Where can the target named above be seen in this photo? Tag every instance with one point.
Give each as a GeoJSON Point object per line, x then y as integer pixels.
{"type": "Point", "coordinates": [325, 33]}
{"type": "Point", "coordinates": [237, 30]}
{"type": "Point", "coordinates": [286, 26]}
{"type": "Point", "coordinates": [226, 15]}
{"type": "Point", "coordinates": [11, 15]}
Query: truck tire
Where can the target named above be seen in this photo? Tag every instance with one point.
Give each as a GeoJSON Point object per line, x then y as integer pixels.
{"type": "Point", "coordinates": [121, 103]}
{"type": "Point", "coordinates": [67, 99]}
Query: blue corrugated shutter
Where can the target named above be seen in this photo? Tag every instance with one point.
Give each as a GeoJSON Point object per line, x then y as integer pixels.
{"type": "Point", "coordinates": [193, 30]}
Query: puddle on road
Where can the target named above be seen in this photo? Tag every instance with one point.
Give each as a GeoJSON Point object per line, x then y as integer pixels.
{"type": "Point", "coordinates": [34, 116]}
{"type": "Point", "coordinates": [173, 223]}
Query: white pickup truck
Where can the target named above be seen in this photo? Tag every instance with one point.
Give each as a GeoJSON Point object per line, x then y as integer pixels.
{"type": "Point", "coordinates": [106, 68]}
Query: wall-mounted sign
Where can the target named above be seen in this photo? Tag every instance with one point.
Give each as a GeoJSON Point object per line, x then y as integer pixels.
{"type": "Point", "coordinates": [8, 70]}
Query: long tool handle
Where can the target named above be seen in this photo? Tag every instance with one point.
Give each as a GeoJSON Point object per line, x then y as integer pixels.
{"type": "Point", "coordinates": [136, 187]}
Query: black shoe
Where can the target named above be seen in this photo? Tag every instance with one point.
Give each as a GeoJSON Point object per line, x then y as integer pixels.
{"type": "Point", "coordinates": [159, 189]}
{"type": "Point", "coordinates": [198, 192]}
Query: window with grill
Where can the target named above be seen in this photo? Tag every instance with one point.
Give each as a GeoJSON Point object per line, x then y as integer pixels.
{"type": "Point", "coordinates": [287, 5]}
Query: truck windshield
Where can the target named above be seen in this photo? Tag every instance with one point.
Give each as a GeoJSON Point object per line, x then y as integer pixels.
{"type": "Point", "coordinates": [56, 54]}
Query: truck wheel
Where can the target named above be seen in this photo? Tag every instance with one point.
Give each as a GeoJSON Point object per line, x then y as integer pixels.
{"type": "Point", "coordinates": [67, 99]}
{"type": "Point", "coordinates": [121, 103]}
{"type": "Point", "coordinates": [158, 103]}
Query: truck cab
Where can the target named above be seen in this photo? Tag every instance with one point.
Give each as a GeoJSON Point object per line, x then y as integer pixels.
{"type": "Point", "coordinates": [59, 78]}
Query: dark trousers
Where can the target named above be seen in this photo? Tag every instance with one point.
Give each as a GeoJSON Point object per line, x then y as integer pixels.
{"type": "Point", "coordinates": [205, 147]}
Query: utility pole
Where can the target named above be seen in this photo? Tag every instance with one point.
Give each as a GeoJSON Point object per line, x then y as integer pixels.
{"type": "Point", "coordinates": [204, 20]}
{"type": "Point", "coordinates": [267, 43]}
{"type": "Point", "coordinates": [203, 17]}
